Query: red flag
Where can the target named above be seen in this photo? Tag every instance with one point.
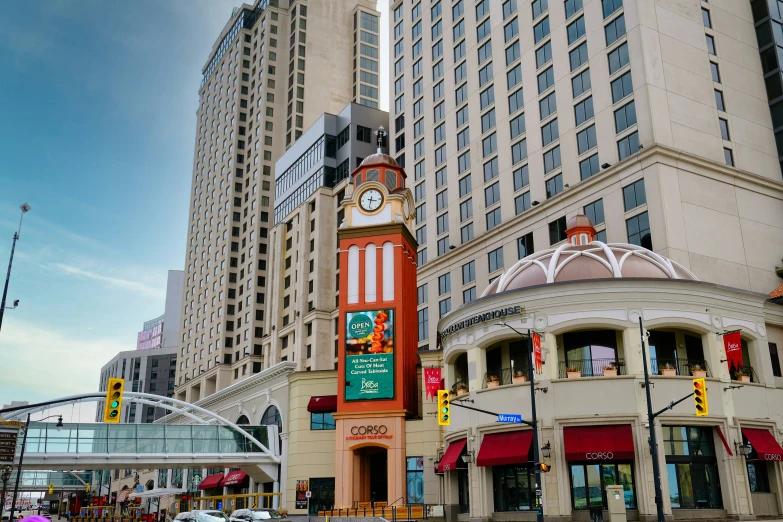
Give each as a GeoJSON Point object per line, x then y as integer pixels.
{"type": "Point", "coordinates": [431, 381]}
{"type": "Point", "coordinates": [537, 352]}
{"type": "Point", "coordinates": [733, 344]}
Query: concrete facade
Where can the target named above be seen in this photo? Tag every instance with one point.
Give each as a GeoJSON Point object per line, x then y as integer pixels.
{"type": "Point", "coordinates": [274, 70]}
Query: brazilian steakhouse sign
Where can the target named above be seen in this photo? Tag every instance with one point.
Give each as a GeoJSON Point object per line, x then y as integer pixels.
{"type": "Point", "coordinates": [369, 355]}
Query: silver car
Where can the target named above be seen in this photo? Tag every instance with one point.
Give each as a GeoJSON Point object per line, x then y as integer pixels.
{"type": "Point", "coordinates": [256, 514]}
{"type": "Point", "coordinates": [207, 515]}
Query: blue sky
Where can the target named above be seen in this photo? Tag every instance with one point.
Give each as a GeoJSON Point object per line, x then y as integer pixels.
{"type": "Point", "coordinates": [96, 134]}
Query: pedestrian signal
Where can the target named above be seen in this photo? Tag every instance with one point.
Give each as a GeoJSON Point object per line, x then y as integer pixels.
{"type": "Point", "coordinates": [544, 468]}
{"type": "Point", "coordinates": [700, 397]}
{"type": "Point", "coordinates": [51, 488]}
{"type": "Point", "coordinates": [444, 408]}
{"type": "Point", "coordinates": [111, 412]}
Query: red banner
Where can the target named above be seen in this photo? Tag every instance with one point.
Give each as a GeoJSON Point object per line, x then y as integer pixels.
{"type": "Point", "coordinates": [537, 352]}
{"type": "Point", "coordinates": [733, 344]}
{"type": "Point", "coordinates": [431, 382]}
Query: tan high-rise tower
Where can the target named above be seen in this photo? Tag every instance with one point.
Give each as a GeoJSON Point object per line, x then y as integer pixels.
{"type": "Point", "coordinates": [277, 66]}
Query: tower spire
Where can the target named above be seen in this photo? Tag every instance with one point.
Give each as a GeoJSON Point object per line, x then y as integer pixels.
{"type": "Point", "coordinates": [380, 133]}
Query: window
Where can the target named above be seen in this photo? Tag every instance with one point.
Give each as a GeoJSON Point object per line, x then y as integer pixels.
{"type": "Point", "coordinates": [581, 83]}
{"type": "Point", "coordinates": [463, 162]}
{"type": "Point", "coordinates": [583, 111]}
{"type": "Point", "coordinates": [576, 30]}
{"type": "Point", "coordinates": [552, 159]}
{"type": "Point", "coordinates": [495, 260]}
{"type": "Point", "coordinates": [715, 72]}
{"type": "Point", "coordinates": [554, 186]}
{"type": "Point", "coordinates": [638, 228]}
{"type": "Point", "coordinates": [421, 293]}
{"type": "Point", "coordinates": [615, 29]}
{"type": "Point", "coordinates": [442, 222]}
{"type": "Point", "coordinates": [437, 72]}
{"type": "Point", "coordinates": [618, 58]}
{"type": "Point", "coordinates": [444, 306]}
{"type": "Point", "coordinates": [516, 101]}
{"type": "Point", "coordinates": [557, 230]}
{"type": "Point", "coordinates": [628, 145]}
{"type": "Point", "coordinates": [482, 8]}
{"type": "Point", "coordinates": [469, 295]}
{"type": "Point", "coordinates": [705, 18]}
{"type": "Point", "coordinates": [514, 487]}
{"type": "Point", "coordinates": [461, 93]}
{"type": "Point", "coordinates": [522, 203]}
{"type": "Point", "coordinates": [439, 111]}
{"type": "Point", "coordinates": [444, 284]}
{"type": "Point", "coordinates": [462, 116]}
{"type": "Point", "coordinates": [490, 169]}
{"type": "Point", "coordinates": [543, 54]}
{"type": "Point", "coordinates": [691, 467]}
{"type": "Point", "coordinates": [512, 53]}
{"type": "Point", "coordinates": [625, 116]}
{"type": "Point", "coordinates": [486, 73]}
{"type": "Point", "coordinates": [465, 186]}
{"type": "Point", "coordinates": [578, 56]}
{"type": "Point", "coordinates": [459, 31]}
{"type": "Point", "coordinates": [589, 477]}
{"type": "Point", "coordinates": [322, 421]}
{"type": "Point", "coordinates": [492, 194]}
{"type": "Point", "coordinates": [488, 121]}
{"type": "Point", "coordinates": [414, 478]}
{"type": "Point", "coordinates": [489, 144]}
{"type": "Point", "coordinates": [483, 30]}
{"type": "Point", "coordinates": [521, 178]}
{"type": "Point", "coordinates": [517, 126]}
{"type": "Point", "coordinates": [518, 151]}
{"type": "Point", "coordinates": [622, 87]}
{"type": "Point", "coordinates": [485, 52]}
{"type": "Point", "coordinates": [610, 6]}
{"type": "Point", "coordinates": [421, 235]}
{"type": "Point", "coordinates": [719, 103]}
{"type": "Point", "coordinates": [773, 354]}
{"type": "Point", "coordinates": [424, 324]}
{"type": "Point", "coordinates": [710, 44]}
{"type": "Point", "coordinates": [546, 80]}
{"type": "Point", "coordinates": [550, 132]}
{"type": "Point", "coordinates": [457, 10]}
{"type": "Point", "coordinates": [728, 154]}
{"type": "Point", "coordinates": [539, 7]}
{"type": "Point", "coordinates": [511, 29]}
{"type": "Point", "coordinates": [541, 30]}
{"type": "Point", "coordinates": [493, 218]}
{"type": "Point", "coordinates": [509, 8]}
{"type": "Point", "coordinates": [440, 133]}
{"type": "Point", "coordinates": [468, 272]}
{"type": "Point", "coordinates": [466, 233]}
{"type": "Point", "coordinates": [634, 195]}
{"type": "Point", "coordinates": [363, 134]}
{"type": "Point", "coordinates": [586, 140]}
{"type": "Point", "coordinates": [437, 48]}
{"type": "Point", "coordinates": [572, 6]}
{"type": "Point", "coordinates": [595, 211]}
{"type": "Point", "coordinates": [441, 200]}
{"type": "Point", "coordinates": [589, 167]}
{"type": "Point", "coordinates": [724, 129]}
{"type": "Point", "coordinates": [514, 76]}
{"type": "Point", "coordinates": [460, 72]}
{"type": "Point", "coordinates": [547, 106]}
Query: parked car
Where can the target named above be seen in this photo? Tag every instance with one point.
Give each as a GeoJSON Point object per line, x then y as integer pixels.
{"type": "Point", "coordinates": [202, 515]}
{"type": "Point", "coordinates": [252, 515]}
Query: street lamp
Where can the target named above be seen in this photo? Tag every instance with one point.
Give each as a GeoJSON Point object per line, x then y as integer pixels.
{"type": "Point", "coordinates": [5, 476]}
{"type": "Point", "coordinates": [546, 451]}
{"type": "Point", "coordinates": [25, 208]}
{"type": "Point", "coordinates": [742, 449]}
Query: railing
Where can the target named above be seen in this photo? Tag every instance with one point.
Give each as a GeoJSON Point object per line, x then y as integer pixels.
{"type": "Point", "coordinates": [392, 513]}
{"type": "Point", "coordinates": [505, 376]}
{"type": "Point", "coordinates": [685, 367]}
{"type": "Point", "coordinates": [747, 371]}
{"type": "Point", "coordinates": [592, 367]}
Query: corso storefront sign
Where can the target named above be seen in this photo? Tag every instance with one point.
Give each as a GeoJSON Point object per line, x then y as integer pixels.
{"type": "Point", "coordinates": [377, 431]}
{"type": "Point", "coordinates": [481, 318]}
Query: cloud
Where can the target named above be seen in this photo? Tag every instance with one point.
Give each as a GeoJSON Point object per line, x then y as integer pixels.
{"type": "Point", "coordinates": [42, 363]}
{"type": "Point", "coordinates": [125, 284]}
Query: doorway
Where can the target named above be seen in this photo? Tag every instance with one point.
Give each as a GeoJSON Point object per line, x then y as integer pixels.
{"type": "Point", "coordinates": [374, 474]}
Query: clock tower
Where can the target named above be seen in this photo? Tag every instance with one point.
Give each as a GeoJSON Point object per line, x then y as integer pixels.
{"type": "Point", "coordinates": [377, 374]}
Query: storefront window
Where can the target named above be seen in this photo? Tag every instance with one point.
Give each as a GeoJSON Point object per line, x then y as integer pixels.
{"type": "Point", "coordinates": [415, 480]}
{"type": "Point", "coordinates": [691, 467]}
{"type": "Point", "coordinates": [758, 479]}
{"type": "Point", "coordinates": [514, 487]}
{"type": "Point", "coordinates": [322, 421]}
{"type": "Point", "coordinates": [589, 481]}
{"type": "Point", "coordinates": [322, 491]}
{"type": "Point", "coordinates": [463, 488]}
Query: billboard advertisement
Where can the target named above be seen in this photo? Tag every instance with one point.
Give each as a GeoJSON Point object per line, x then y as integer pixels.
{"type": "Point", "coordinates": [369, 355]}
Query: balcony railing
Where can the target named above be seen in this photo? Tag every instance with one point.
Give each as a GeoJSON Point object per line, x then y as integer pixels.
{"type": "Point", "coordinates": [747, 371]}
{"type": "Point", "coordinates": [504, 376]}
{"type": "Point", "coordinates": [684, 367]}
{"type": "Point", "coordinates": [591, 367]}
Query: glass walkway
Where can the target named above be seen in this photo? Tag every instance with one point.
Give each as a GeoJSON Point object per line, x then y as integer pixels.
{"type": "Point", "coordinates": [62, 480]}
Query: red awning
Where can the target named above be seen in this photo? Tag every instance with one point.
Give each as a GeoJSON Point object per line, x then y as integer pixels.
{"type": "Point", "coordinates": [603, 443]}
{"type": "Point", "coordinates": [764, 443]}
{"type": "Point", "coordinates": [449, 460]}
{"type": "Point", "coordinates": [511, 447]}
{"type": "Point", "coordinates": [234, 478]}
{"type": "Point", "coordinates": [212, 481]}
{"type": "Point", "coordinates": [322, 404]}
{"type": "Point", "coordinates": [723, 439]}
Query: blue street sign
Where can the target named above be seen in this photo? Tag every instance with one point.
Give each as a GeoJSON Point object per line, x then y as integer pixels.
{"type": "Point", "coordinates": [514, 418]}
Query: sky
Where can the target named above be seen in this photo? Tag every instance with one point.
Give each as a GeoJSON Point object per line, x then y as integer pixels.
{"type": "Point", "coordinates": [97, 132]}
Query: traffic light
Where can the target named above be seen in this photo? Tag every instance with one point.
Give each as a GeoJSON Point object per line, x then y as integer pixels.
{"type": "Point", "coordinates": [87, 487]}
{"type": "Point", "coordinates": [700, 397]}
{"type": "Point", "coordinates": [51, 488]}
{"type": "Point", "coordinates": [444, 408]}
{"type": "Point", "coordinates": [111, 412]}
{"type": "Point", "coordinates": [544, 468]}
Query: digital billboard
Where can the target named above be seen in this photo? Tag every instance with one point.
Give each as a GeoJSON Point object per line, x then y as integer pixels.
{"type": "Point", "coordinates": [369, 355]}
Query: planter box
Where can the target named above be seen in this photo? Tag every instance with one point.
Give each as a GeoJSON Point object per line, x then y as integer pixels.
{"type": "Point", "coordinates": [574, 375]}
{"type": "Point", "coordinates": [610, 373]}
{"type": "Point", "coordinates": [698, 373]}
{"type": "Point", "coordinates": [744, 378]}
{"type": "Point", "coordinates": [668, 372]}
{"type": "Point", "coordinates": [493, 384]}
{"type": "Point", "coordinates": [460, 393]}
{"type": "Point", "coordinates": [519, 380]}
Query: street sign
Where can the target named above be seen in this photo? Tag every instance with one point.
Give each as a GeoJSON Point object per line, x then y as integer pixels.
{"type": "Point", "coordinates": [309, 494]}
{"type": "Point", "coordinates": [514, 418]}
{"type": "Point", "coordinates": [7, 446]}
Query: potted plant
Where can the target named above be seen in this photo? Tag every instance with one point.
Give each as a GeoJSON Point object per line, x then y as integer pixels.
{"type": "Point", "coordinates": [668, 370]}
{"type": "Point", "coordinates": [697, 371]}
{"type": "Point", "coordinates": [573, 373]}
{"type": "Point", "coordinates": [610, 370]}
{"type": "Point", "coordinates": [519, 377]}
{"type": "Point", "coordinates": [462, 389]}
{"type": "Point", "coordinates": [742, 375]}
{"type": "Point", "coordinates": [493, 381]}
{"type": "Point", "coordinates": [452, 394]}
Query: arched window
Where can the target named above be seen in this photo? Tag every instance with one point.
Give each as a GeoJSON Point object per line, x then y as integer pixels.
{"type": "Point", "coordinates": [272, 417]}
{"type": "Point", "coordinates": [242, 421]}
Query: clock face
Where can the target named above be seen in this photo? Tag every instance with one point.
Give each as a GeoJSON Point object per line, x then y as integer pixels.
{"type": "Point", "coordinates": [371, 200]}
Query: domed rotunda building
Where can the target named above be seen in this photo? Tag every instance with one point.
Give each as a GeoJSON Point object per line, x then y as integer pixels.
{"type": "Point", "coordinates": [589, 304]}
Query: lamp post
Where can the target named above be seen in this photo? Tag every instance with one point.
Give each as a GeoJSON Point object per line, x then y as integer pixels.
{"type": "Point", "coordinates": [25, 208]}
{"type": "Point", "coordinates": [651, 423]}
{"type": "Point", "coordinates": [5, 476]}
{"type": "Point", "coordinates": [533, 421]}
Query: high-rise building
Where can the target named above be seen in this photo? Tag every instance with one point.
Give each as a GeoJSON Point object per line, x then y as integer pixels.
{"type": "Point", "coordinates": [274, 70]}
{"type": "Point", "coordinates": [310, 183]}
{"type": "Point", "coordinates": [651, 119]}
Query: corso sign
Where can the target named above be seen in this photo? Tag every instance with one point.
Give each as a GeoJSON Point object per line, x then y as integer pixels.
{"type": "Point", "coordinates": [374, 431]}
{"type": "Point", "coordinates": [600, 455]}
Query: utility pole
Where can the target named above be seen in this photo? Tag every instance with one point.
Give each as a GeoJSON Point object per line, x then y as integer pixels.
{"type": "Point", "coordinates": [651, 423]}
{"type": "Point", "coordinates": [25, 208]}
